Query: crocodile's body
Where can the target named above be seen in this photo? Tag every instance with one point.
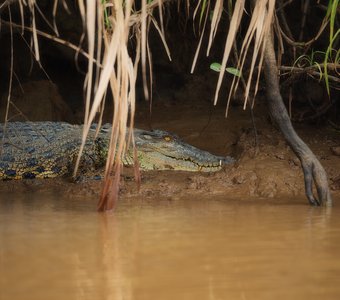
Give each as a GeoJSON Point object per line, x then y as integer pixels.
{"type": "Point", "coordinates": [50, 149]}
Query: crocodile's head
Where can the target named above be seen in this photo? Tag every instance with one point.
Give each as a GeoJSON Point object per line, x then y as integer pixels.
{"type": "Point", "coordinates": [160, 150]}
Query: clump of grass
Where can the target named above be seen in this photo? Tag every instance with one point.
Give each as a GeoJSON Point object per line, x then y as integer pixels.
{"type": "Point", "coordinates": [110, 24]}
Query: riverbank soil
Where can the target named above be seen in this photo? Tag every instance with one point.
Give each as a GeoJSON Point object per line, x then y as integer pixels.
{"type": "Point", "coordinates": [268, 170]}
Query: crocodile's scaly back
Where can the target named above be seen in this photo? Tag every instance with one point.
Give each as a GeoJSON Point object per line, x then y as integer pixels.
{"type": "Point", "coordinates": [50, 149]}
{"type": "Point", "coordinates": [41, 149]}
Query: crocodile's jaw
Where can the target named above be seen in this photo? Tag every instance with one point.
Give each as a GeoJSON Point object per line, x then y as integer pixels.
{"type": "Point", "coordinates": [159, 161]}
{"type": "Point", "coordinates": [159, 150]}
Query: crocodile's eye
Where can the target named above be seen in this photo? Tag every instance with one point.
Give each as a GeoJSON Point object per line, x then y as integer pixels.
{"type": "Point", "coordinates": [167, 138]}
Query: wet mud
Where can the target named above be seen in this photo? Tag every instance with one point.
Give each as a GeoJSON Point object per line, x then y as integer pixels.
{"type": "Point", "coordinates": [266, 169]}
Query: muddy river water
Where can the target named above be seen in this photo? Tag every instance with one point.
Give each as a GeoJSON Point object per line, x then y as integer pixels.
{"type": "Point", "coordinates": [53, 248]}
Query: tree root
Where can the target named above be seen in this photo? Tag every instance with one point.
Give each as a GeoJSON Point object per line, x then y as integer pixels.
{"type": "Point", "coordinates": [314, 173]}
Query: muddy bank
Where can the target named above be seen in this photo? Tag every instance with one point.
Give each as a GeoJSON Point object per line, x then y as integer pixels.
{"type": "Point", "coordinates": [269, 170]}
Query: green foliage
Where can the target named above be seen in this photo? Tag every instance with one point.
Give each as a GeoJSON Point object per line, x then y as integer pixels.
{"type": "Point", "coordinates": [107, 21]}
{"type": "Point", "coordinates": [321, 59]}
{"type": "Point", "coordinates": [204, 6]}
{"type": "Point", "coordinates": [331, 13]}
{"type": "Point", "coordinates": [233, 71]}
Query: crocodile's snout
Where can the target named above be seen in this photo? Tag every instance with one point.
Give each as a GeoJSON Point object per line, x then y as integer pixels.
{"type": "Point", "coordinates": [160, 150]}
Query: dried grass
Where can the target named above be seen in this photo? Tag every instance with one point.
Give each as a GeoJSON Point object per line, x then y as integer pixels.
{"type": "Point", "coordinates": [260, 23]}
{"type": "Point", "coordinates": [118, 73]}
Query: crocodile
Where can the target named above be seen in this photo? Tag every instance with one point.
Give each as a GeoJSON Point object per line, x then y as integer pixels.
{"type": "Point", "coordinates": [49, 149]}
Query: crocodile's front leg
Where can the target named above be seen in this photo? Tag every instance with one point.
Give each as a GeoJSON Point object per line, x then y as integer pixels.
{"type": "Point", "coordinates": [312, 169]}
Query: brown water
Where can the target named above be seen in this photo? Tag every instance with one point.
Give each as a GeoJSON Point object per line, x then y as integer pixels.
{"type": "Point", "coordinates": [51, 248]}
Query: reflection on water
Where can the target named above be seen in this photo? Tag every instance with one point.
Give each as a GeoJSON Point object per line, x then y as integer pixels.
{"type": "Point", "coordinates": [51, 248]}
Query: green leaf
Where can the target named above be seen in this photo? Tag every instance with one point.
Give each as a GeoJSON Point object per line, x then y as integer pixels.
{"type": "Point", "coordinates": [215, 67]}
{"type": "Point", "coordinates": [234, 71]}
